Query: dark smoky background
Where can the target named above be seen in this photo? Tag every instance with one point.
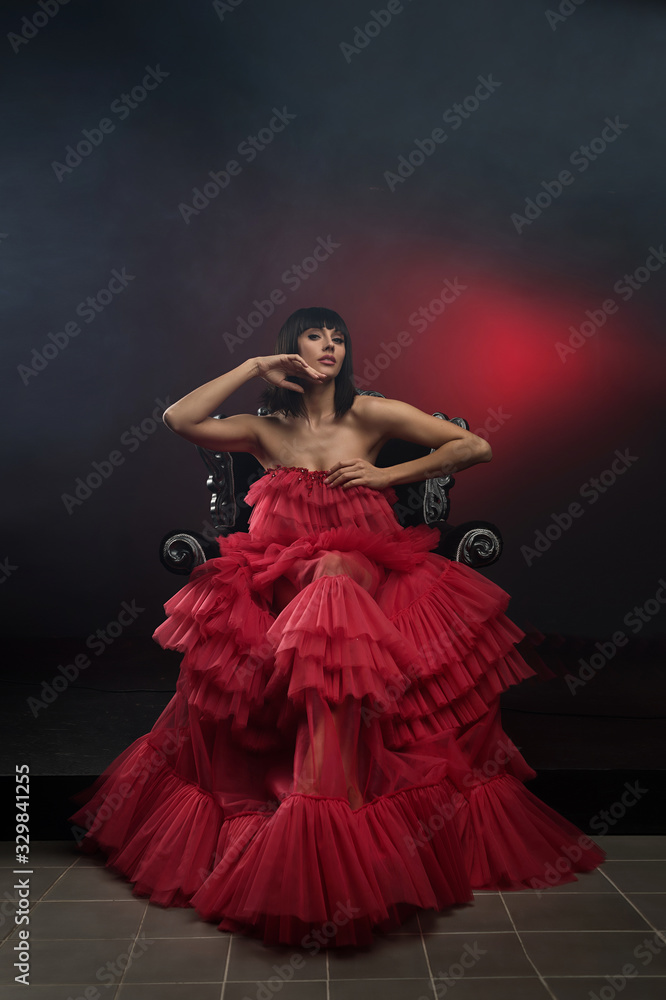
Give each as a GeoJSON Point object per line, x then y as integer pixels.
{"type": "Point", "coordinates": [408, 144]}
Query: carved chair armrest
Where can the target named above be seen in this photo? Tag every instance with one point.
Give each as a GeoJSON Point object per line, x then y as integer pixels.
{"type": "Point", "coordinates": [181, 551]}
{"type": "Point", "coordinates": [476, 543]}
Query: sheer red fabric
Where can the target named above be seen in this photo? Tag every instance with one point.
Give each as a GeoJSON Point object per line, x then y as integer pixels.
{"type": "Point", "coordinates": [333, 757]}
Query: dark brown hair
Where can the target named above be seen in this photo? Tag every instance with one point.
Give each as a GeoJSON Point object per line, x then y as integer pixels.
{"type": "Point", "coordinates": [276, 398]}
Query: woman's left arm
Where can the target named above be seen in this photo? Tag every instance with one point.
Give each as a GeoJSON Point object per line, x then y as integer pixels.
{"type": "Point", "coordinates": [455, 448]}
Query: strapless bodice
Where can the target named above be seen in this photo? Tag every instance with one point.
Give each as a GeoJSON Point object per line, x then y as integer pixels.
{"type": "Point", "coordinates": [289, 502]}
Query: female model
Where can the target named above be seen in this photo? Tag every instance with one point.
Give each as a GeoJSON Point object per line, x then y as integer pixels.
{"type": "Point", "coordinates": [333, 756]}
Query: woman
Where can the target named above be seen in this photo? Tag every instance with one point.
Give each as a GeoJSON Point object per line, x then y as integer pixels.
{"type": "Point", "coordinates": [333, 757]}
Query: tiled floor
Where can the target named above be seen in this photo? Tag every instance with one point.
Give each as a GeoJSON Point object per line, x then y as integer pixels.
{"type": "Point", "coordinates": [596, 939]}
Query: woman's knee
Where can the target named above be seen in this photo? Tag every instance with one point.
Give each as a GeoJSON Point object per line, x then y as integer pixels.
{"type": "Point", "coordinates": [352, 564]}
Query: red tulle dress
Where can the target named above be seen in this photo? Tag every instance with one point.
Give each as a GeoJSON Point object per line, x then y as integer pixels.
{"type": "Point", "coordinates": [332, 759]}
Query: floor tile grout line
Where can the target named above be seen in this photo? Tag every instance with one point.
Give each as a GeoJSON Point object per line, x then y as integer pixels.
{"type": "Point", "coordinates": [131, 951]}
{"type": "Point", "coordinates": [226, 967]}
{"type": "Point", "coordinates": [522, 945]}
{"type": "Point", "coordinates": [550, 930]}
{"type": "Point", "coordinates": [34, 867]}
{"type": "Point", "coordinates": [427, 956]}
{"type": "Point", "coordinates": [597, 975]}
{"type": "Point", "coordinates": [660, 934]}
{"type": "Point", "coordinates": [328, 974]}
{"type": "Point", "coordinates": [608, 879]}
{"type": "Point", "coordinates": [34, 902]}
{"type": "Point", "coordinates": [407, 979]}
{"type": "Point", "coordinates": [428, 934]}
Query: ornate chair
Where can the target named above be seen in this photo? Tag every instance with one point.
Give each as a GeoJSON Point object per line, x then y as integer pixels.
{"type": "Point", "coordinates": [230, 475]}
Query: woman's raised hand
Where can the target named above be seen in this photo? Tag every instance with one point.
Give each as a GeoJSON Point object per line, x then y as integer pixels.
{"type": "Point", "coordinates": [275, 367]}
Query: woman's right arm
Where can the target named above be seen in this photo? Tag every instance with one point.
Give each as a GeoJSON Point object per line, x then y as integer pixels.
{"type": "Point", "coordinates": [190, 417]}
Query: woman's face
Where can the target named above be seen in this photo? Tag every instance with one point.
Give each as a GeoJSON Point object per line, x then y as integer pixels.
{"type": "Point", "coordinates": [315, 345]}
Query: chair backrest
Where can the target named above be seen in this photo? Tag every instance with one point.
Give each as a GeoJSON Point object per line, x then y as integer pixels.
{"type": "Point", "coordinates": [230, 476]}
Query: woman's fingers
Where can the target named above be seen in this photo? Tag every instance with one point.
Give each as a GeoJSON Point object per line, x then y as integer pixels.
{"type": "Point", "coordinates": [291, 385]}
{"type": "Point", "coordinates": [293, 364]}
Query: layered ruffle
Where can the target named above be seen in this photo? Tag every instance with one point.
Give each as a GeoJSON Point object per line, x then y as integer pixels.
{"type": "Point", "coordinates": [157, 829]}
{"type": "Point", "coordinates": [427, 846]}
{"type": "Point", "coordinates": [466, 649]}
{"type": "Point", "coordinates": [512, 840]}
{"type": "Point", "coordinates": [381, 676]}
{"type": "Point", "coordinates": [333, 639]}
{"type": "Point", "coordinates": [219, 620]}
{"type": "Point", "coordinates": [401, 553]}
{"type": "Point", "coordinates": [425, 663]}
{"type": "Point", "coordinates": [359, 864]}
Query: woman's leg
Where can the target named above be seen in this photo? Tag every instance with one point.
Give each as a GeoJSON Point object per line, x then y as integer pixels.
{"type": "Point", "coordinates": [346, 715]}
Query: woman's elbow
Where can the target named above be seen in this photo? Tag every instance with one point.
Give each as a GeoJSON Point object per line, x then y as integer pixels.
{"type": "Point", "coordinates": [483, 450]}
{"type": "Point", "coordinates": [169, 421]}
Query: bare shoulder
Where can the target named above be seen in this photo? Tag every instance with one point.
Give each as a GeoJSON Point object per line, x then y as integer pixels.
{"type": "Point", "coordinates": [370, 405]}
{"type": "Point", "coordinates": [381, 411]}
{"type": "Point", "coordinates": [382, 416]}
{"type": "Point", "coordinates": [395, 418]}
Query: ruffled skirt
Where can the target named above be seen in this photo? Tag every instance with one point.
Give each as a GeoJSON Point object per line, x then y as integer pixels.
{"type": "Point", "coordinates": [328, 766]}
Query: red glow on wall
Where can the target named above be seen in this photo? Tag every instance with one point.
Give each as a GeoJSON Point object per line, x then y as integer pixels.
{"type": "Point", "coordinates": [501, 341]}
